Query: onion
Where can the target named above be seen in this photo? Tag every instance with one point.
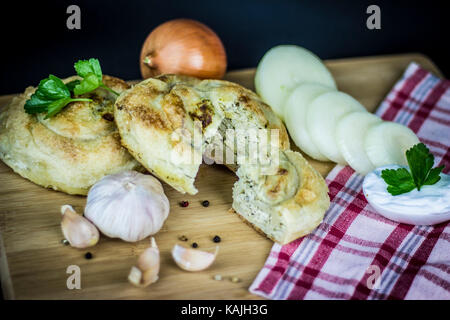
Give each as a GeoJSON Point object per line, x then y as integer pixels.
{"type": "Point", "coordinates": [183, 46]}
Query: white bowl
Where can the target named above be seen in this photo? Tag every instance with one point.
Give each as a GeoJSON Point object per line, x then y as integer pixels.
{"type": "Point", "coordinates": [406, 217]}
{"type": "Point", "coordinates": [422, 214]}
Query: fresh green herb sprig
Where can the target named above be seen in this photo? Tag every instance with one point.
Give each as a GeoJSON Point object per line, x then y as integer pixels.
{"type": "Point", "coordinates": [52, 95]}
{"type": "Point", "coordinates": [91, 72]}
{"type": "Point", "coordinates": [421, 173]}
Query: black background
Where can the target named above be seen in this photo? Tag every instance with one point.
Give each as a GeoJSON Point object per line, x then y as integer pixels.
{"type": "Point", "coordinates": [36, 41]}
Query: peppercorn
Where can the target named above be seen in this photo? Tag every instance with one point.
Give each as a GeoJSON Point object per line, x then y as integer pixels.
{"type": "Point", "coordinates": [194, 245]}
{"type": "Point", "coordinates": [216, 239]}
{"type": "Point", "coordinates": [65, 242]}
{"type": "Point", "coordinates": [184, 204]}
{"type": "Point", "coordinates": [183, 238]}
{"type": "Point", "coordinates": [88, 255]}
{"type": "Point", "coordinates": [205, 203]}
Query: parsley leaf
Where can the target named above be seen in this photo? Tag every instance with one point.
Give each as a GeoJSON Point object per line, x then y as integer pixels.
{"type": "Point", "coordinates": [88, 84]}
{"type": "Point", "coordinates": [399, 181]}
{"type": "Point", "coordinates": [51, 96]}
{"type": "Point", "coordinates": [421, 173]}
{"type": "Point", "coordinates": [91, 72]}
{"type": "Point", "coordinates": [433, 176]}
{"type": "Point", "coordinates": [420, 162]}
{"type": "Point", "coordinates": [36, 104]}
{"type": "Point", "coordinates": [53, 88]}
{"type": "Point", "coordinates": [85, 67]}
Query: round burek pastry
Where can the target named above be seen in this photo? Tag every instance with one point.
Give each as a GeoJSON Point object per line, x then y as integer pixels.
{"type": "Point", "coordinates": [159, 120]}
{"type": "Point", "coordinates": [70, 151]}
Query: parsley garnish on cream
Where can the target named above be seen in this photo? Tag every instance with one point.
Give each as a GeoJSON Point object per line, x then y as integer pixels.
{"type": "Point", "coordinates": [420, 173]}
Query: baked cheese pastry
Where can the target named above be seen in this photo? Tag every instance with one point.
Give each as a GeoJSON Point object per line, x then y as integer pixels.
{"type": "Point", "coordinates": [284, 198]}
{"type": "Point", "coordinates": [285, 205]}
{"type": "Point", "coordinates": [160, 118]}
{"type": "Point", "coordinates": [70, 151]}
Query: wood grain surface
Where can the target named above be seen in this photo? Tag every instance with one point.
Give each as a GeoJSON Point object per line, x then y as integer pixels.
{"type": "Point", "coordinates": [33, 261]}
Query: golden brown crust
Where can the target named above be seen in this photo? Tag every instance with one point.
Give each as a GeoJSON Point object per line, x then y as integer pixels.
{"type": "Point", "coordinates": [70, 151]}
{"type": "Point", "coordinates": [311, 201]}
{"type": "Point", "coordinates": [116, 84]}
{"type": "Point", "coordinates": [149, 114]}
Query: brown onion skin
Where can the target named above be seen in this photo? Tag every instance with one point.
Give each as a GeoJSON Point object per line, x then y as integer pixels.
{"type": "Point", "coordinates": [183, 46]}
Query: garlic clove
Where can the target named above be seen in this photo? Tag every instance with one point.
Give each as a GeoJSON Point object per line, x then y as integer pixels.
{"type": "Point", "coordinates": [191, 259]}
{"type": "Point", "coordinates": [79, 231]}
{"type": "Point", "coordinates": [135, 277]}
{"type": "Point", "coordinates": [147, 269]}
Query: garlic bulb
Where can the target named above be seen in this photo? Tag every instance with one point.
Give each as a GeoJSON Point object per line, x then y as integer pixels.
{"type": "Point", "coordinates": [191, 259]}
{"type": "Point", "coordinates": [128, 205]}
{"type": "Point", "coordinates": [79, 231]}
{"type": "Point", "coordinates": [147, 268]}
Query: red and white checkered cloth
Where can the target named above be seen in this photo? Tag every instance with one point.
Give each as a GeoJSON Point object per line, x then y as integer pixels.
{"type": "Point", "coordinates": [343, 256]}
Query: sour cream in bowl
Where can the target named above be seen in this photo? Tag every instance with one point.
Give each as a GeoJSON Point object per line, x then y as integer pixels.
{"type": "Point", "coordinates": [430, 205]}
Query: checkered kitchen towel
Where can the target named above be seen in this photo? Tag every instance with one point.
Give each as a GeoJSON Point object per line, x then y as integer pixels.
{"type": "Point", "coordinates": [343, 256]}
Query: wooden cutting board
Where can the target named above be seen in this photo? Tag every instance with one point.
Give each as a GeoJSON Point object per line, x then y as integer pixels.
{"type": "Point", "coordinates": [34, 261]}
